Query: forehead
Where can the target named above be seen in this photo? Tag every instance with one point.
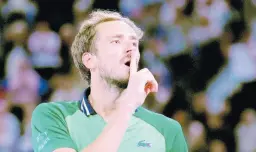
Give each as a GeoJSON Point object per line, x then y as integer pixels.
{"type": "Point", "coordinates": [111, 28]}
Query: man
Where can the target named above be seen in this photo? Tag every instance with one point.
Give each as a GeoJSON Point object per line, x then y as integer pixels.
{"type": "Point", "coordinates": [109, 117]}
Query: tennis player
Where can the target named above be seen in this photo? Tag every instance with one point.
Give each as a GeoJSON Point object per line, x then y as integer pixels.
{"type": "Point", "coordinates": [109, 118]}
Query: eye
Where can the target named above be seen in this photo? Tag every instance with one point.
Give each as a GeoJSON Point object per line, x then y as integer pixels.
{"type": "Point", "coordinates": [135, 44]}
{"type": "Point", "coordinates": [115, 41]}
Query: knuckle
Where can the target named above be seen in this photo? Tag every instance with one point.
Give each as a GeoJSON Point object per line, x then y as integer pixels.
{"type": "Point", "coordinates": [147, 70]}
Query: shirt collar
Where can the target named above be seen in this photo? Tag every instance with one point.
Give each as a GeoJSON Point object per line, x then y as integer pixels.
{"type": "Point", "coordinates": [85, 106]}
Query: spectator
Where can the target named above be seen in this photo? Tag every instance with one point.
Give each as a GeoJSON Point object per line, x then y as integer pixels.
{"type": "Point", "coordinates": [17, 34]}
{"type": "Point", "coordinates": [131, 8]}
{"type": "Point", "coordinates": [23, 87]}
{"type": "Point", "coordinates": [246, 131]}
{"type": "Point", "coordinates": [232, 75]}
{"type": "Point", "coordinates": [24, 7]}
{"type": "Point", "coordinates": [44, 46]}
{"type": "Point", "coordinates": [217, 146]}
{"type": "Point", "coordinates": [9, 128]}
{"type": "Point", "coordinates": [80, 10]}
{"type": "Point", "coordinates": [197, 137]}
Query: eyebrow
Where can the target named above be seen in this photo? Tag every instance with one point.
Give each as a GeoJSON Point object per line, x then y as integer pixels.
{"type": "Point", "coordinates": [132, 37]}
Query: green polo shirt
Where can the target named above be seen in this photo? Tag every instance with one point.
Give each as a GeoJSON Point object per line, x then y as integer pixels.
{"type": "Point", "coordinates": [76, 125]}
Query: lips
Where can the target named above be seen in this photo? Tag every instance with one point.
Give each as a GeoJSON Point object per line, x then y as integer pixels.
{"type": "Point", "coordinates": [126, 61]}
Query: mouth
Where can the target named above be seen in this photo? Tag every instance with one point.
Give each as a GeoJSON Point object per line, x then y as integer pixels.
{"type": "Point", "coordinates": [127, 63]}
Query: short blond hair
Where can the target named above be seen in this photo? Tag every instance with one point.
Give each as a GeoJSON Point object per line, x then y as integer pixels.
{"type": "Point", "coordinates": [83, 41]}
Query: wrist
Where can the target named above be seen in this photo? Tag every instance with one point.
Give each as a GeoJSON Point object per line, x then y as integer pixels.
{"type": "Point", "coordinates": [124, 105]}
{"type": "Point", "coordinates": [127, 108]}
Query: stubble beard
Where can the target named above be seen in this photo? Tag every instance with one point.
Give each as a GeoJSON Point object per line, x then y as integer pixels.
{"type": "Point", "coordinates": [112, 81]}
{"type": "Point", "coordinates": [121, 84]}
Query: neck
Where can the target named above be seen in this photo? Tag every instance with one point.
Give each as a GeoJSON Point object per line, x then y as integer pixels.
{"type": "Point", "coordinates": [103, 96]}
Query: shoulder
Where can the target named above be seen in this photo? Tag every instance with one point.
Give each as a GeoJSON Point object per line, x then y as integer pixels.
{"type": "Point", "coordinates": [49, 124]}
{"type": "Point", "coordinates": [62, 105]}
{"type": "Point", "coordinates": [56, 108]}
{"type": "Point", "coordinates": [170, 129]}
{"type": "Point", "coordinates": [159, 121]}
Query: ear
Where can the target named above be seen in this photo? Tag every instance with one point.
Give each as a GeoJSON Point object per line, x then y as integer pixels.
{"type": "Point", "coordinates": [88, 60]}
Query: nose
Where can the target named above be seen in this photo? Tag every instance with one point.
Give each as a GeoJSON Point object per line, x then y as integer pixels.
{"type": "Point", "coordinates": [129, 51]}
{"type": "Point", "coordinates": [130, 48]}
{"type": "Point", "coordinates": [134, 50]}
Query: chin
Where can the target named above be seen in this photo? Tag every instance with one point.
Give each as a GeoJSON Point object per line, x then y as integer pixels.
{"type": "Point", "coordinates": [123, 78]}
{"type": "Point", "coordinates": [122, 75]}
{"type": "Point", "coordinates": [121, 81]}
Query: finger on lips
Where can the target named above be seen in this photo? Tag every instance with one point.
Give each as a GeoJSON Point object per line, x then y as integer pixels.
{"type": "Point", "coordinates": [133, 63]}
{"type": "Point", "coordinates": [150, 86]}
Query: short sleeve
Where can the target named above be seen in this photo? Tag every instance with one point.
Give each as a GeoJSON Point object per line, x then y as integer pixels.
{"type": "Point", "coordinates": [49, 129]}
{"type": "Point", "coordinates": [179, 143]}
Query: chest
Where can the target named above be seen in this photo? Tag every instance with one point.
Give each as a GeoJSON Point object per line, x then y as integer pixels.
{"type": "Point", "coordinates": [139, 136]}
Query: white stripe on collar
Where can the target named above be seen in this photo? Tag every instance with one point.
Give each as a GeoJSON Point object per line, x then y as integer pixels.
{"type": "Point", "coordinates": [86, 108]}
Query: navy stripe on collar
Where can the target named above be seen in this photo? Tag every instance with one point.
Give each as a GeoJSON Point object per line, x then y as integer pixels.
{"type": "Point", "coordinates": [85, 105]}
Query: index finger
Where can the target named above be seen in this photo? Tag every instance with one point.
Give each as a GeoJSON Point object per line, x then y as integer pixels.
{"type": "Point", "coordinates": [133, 63]}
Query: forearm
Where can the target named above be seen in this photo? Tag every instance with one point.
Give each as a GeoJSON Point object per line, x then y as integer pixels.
{"type": "Point", "coordinates": [110, 138]}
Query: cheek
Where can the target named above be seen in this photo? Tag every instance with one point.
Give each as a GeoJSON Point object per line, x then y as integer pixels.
{"type": "Point", "coordinates": [111, 59]}
{"type": "Point", "coordinates": [110, 51]}
{"type": "Point", "coordinates": [108, 62]}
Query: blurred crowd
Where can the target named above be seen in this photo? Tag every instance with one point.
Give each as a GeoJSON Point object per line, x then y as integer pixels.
{"type": "Point", "coordinates": [202, 53]}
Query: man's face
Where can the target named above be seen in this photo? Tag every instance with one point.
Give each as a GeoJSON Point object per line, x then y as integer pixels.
{"type": "Point", "coordinates": [115, 41]}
